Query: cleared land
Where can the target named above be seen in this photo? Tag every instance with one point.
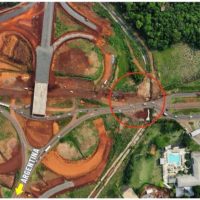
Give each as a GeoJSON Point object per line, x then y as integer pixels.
{"type": "Point", "coordinates": [178, 66]}
{"type": "Point", "coordinates": [77, 169]}
{"type": "Point", "coordinates": [79, 58]}
{"type": "Point", "coordinates": [16, 52]}
{"type": "Point", "coordinates": [81, 142]}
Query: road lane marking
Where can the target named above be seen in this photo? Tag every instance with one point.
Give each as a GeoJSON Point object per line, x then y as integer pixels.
{"type": "Point", "coordinates": [19, 189]}
{"type": "Point", "coordinates": [31, 162]}
{"type": "Point", "coordinates": [27, 171]}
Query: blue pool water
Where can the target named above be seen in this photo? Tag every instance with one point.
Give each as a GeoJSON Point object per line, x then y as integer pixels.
{"type": "Point", "coordinates": [174, 158]}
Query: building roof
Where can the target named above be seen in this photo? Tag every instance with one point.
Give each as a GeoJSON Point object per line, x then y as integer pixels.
{"type": "Point", "coordinates": [196, 164]}
{"type": "Point", "coordinates": [129, 193]}
{"type": "Point", "coordinates": [40, 99]}
{"type": "Point", "coordinates": [162, 161]}
{"type": "Point", "coordinates": [191, 180]}
{"type": "Point", "coordinates": [179, 192]}
{"type": "Point", "coordinates": [196, 132]}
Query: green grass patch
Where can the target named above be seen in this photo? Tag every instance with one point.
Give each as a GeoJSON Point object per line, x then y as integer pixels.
{"type": "Point", "coordinates": [184, 99]}
{"type": "Point", "coordinates": [63, 104]}
{"type": "Point", "coordinates": [69, 138]}
{"type": "Point", "coordinates": [187, 142]}
{"type": "Point", "coordinates": [189, 111]}
{"type": "Point", "coordinates": [64, 27]}
{"type": "Point", "coordinates": [93, 102]}
{"type": "Point", "coordinates": [82, 192]}
{"type": "Point", "coordinates": [78, 137]}
{"type": "Point", "coordinates": [178, 66]}
{"type": "Point", "coordinates": [64, 122]}
{"type": "Point", "coordinates": [114, 187]}
{"type": "Point", "coordinates": [6, 193]}
{"type": "Point", "coordinates": [143, 168]}
{"type": "Point", "coordinates": [190, 87]}
{"type": "Point", "coordinates": [118, 45]}
{"type": "Point", "coordinates": [87, 47]}
{"type": "Point", "coordinates": [6, 128]}
{"type": "Point", "coordinates": [126, 85]}
{"type": "Point", "coordinates": [61, 28]}
{"type": "Point", "coordinates": [37, 172]}
{"type": "Point", "coordinates": [120, 138]}
{"type": "Point", "coordinates": [57, 113]}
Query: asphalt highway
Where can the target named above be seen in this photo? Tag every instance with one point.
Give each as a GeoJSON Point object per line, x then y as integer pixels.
{"type": "Point", "coordinates": [13, 12]}
{"type": "Point", "coordinates": [72, 36]}
{"type": "Point", "coordinates": [47, 24]}
{"type": "Point", "coordinates": [56, 189]}
{"type": "Point", "coordinates": [91, 112]}
{"type": "Point", "coordinates": [78, 17]}
{"type": "Point", "coordinates": [121, 109]}
{"type": "Point", "coordinates": [21, 135]}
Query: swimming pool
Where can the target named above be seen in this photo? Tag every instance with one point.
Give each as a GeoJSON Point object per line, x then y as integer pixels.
{"type": "Point", "coordinates": [174, 158]}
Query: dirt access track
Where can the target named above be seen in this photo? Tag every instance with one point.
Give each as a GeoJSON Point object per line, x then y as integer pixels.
{"type": "Point", "coordinates": [76, 169]}
{"type": "Point", "coordinates": [38, 133]}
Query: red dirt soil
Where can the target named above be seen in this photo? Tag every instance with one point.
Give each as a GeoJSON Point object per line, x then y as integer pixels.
{"type": "Point", "coordinates": [66, 19]}
{"type": "Point", "coordinates": [40, 188]}
{"type": "Point", "coordinates": [92, 176]}
{"type": "Point", "coordinates": [76, 169]}
{"type": "Point", "coordinates": [39, 133]}
{"type": "Point", "coordinates": [108, 67]}
{"type": "Point", "coordinates": [74, 83]}
{"type": "Point", "coordinates": [71, 61]}
{"type": "Point", "coordinates": [141, 114]}
{"type": "Point", "coordinates": [85, 9]}
{"type": "Point", "coordinates": [7, 180]}
{"type": "Point", "coordinates": [13, 164]}
{"type": "Point", "coordinates": [27, 24]}
{"type": "Point", "coordinates": [15, 48]}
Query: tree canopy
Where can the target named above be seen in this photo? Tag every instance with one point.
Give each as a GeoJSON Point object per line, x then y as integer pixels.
{"type": "Point", "coordinates": [163, 24]}
{"type": "Point", "coordinates": [7, 4]}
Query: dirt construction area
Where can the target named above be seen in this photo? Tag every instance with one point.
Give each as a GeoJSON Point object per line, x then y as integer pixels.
{"type": "Point", "coordinates": [79, 67]}
{"type": "Point", "coordinates": [76, 169]}
{"type": "Point", "coordinates": [15, 50]}
{"type": "Point", "coordinates": [13, 164]}
{"type": "Point", "coordinates": [77, 57]}
{"type": "Point", "coordinates": [38, 133]}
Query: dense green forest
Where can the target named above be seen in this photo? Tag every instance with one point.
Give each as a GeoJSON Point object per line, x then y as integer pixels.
{"type": "Point", "coordinates": [7, 4]}
{"type": "Point", "coordinates": [163, 24]}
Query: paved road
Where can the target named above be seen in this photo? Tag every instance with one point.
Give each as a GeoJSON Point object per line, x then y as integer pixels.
{"type": "Point", "coordinates": [21, 135]}
{"type": "Point", "coordinates": [47, 24]}
{"type": "Point", "coordinates": [120, 109]}
{"type": "Point", "coordinates": [15, 11]}
{"type": "Point", "coordinates": [91, 113]}
{"type": "Point", "coordinates": [116, 109]}
{"type": "Point", "coordinates": [57, 189]}
{"type": "Point", "coordinates": [116, 164]}
{"type": "Point", "coordinates": [78, 17]}
{"type": "Point", "coordinates": [46, 43]}
{"type": "Point", "coordinates": [72, 36]}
